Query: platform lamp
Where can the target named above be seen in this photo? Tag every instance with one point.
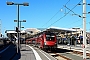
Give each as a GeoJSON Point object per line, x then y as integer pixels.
{"type": "Point", "coordinates": [20, 29]}
{"type": "Point", "coordinates": [18, 4]}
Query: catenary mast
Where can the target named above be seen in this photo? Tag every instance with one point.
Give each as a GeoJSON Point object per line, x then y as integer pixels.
{"type": "Point", "coordinates": [84, 29]}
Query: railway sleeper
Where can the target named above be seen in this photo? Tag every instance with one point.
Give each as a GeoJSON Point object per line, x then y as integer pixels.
{"type": "Point", "coordinates": [88, 54]}
{"type": "Point", "coordinates": [55, 55]}
{"type": "Point", "coordinates": [81, 53]}
{"type": "Point", "coordinates": [65, 57]}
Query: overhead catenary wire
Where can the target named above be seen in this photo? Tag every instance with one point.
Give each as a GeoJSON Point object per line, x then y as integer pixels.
{"type": "Point", "coordinates": [76, 22]}
{"type": "Point", "coordinates": [82, 24]}
{"type": "Point", "coordinates": [72, 14]}
{"type": "Point", "coordinates": [69, 9]}
{"type": "Point", "coordinates": [56, 13]}
{"type": "Point", "coordinates": [64, 15]}
{"type": "Point", "coordinates": [51, 18]}
{"type": "Point", "coordinates": [73, 22]}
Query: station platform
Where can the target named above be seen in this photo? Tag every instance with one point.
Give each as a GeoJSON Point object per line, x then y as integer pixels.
{"type": "Point", "coordinates": [31, 53]}
{"type": "Point", "coordinates": [75, 48]}
{"type": "Point", "coordinates": [28, 52]}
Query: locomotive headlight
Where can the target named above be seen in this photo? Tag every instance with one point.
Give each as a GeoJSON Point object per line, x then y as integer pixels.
{"type": "Point", "coordinates": [44, 43]}
{"type": "Point", "coordinates": [55, 43]}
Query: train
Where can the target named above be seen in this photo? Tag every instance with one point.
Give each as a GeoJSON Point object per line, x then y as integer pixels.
{"type": "Point", "coordinates": [45, 40]}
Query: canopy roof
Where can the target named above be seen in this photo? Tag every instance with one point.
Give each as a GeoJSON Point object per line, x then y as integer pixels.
{"type": "Point", "coordinates": [13, 31]}
{"type": "Point", "coordinates": [59, 30]}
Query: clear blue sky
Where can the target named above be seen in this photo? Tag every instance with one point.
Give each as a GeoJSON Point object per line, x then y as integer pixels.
{"type": "Point", "coordinates": [42, 14]}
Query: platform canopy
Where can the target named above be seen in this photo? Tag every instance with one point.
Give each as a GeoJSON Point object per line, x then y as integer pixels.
{"type": "Point", "coordinates": [11, 33]}
{"type": "Point", "coordinates": [56, 30]}
{"type": "Point", "coordinates": [59, 30]}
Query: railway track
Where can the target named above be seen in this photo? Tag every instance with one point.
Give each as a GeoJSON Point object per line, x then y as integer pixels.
{"type": "Point", "coordinates": [56, 54]}
{"type": "Point", "coordinates": [67, 54]}
{"type": "Point", "coordinates": [59, 56]}
{"type": "Point", "coordinates": [64, 54]}
{"type": "Point", "coordinates": [81, 53]}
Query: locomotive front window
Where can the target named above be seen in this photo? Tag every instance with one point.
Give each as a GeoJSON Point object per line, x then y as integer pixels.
{"type": "Point", "coordinates": [50, 37]}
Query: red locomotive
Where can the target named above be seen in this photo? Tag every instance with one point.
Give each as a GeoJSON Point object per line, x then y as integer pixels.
{"type": "Point", "coordinates": [45, 40]}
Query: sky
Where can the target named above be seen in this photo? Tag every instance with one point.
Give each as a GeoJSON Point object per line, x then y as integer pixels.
{"type": "Point", "coordinates": [44, 14]}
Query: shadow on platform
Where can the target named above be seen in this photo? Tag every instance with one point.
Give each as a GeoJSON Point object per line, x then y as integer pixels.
{"type": "Point", "coordinates": [25, 50]}
{"type": "Point", "coordinates": [17, 56]}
